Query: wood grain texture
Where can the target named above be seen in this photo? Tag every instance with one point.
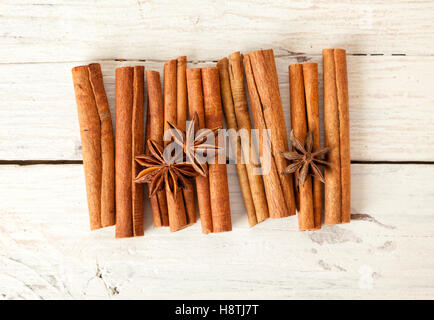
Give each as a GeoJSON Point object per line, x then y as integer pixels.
{"type": "Point", "coordinates": [52, 30]}
{"type": "Point", "coordinates": [46, 250]}
{"type": "Point", "coordinates": [390, 107]}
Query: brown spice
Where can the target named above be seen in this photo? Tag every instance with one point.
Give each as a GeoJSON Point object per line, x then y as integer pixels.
{"type": "Point", "coordinates": [123, 151]}
{"type": "Point", "coordinates": [336, 133]}
{"type": "Point", "coordinates": [310, 75]}
{"type": "Point", "coordinates": [90, 132]}
{"type": "Point", "coordinates": [273, 190]}
{"type": "Point", "coordinates": [154, 131]}
{"type": "Point", "coordinates": [218, 180]}
{"type": "Point", "coordinates": [303, 187]}
{"type": "Point", "coordinates": [265, 76]}
{"type": "Point", "coordinates": [138, 143]}
{"type": "Point", "coordinates": [248, 148]}
{"type": "Point", "coordinates": [160, 171]}
{"type": "Point", "coordinates": [177, 214]}
{"type": "Point", "coordinates": [107, 146]}
{"type": "Point", "coordinates": [229, 112]}
{"type": "Point", "coordinates": [181, 118]}
{"type": "Point", "coordinates": [195, 106]}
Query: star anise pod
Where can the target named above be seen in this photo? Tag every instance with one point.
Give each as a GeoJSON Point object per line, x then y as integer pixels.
{"type": "Point", "coordinates": [305, 158]}
{"type": "Point", "coordinates": [193, 145]}
{"type": "Point", "coordinates": [161, 171]}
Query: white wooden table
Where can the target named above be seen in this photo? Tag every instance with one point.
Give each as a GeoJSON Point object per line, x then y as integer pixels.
{"type": "Point", "coordinates": [46, 248]}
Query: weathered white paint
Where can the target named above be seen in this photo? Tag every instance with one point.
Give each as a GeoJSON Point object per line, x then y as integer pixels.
{"type": "Point", "coordinates": [390, 107]}
{"type": "Point", "coordinates": [47, 251]}
{"type": "Point", "coordinates": [55, 30]}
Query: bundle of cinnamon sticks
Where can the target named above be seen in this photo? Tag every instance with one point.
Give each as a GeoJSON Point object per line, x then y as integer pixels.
{"type": "Point", "coordinates": [181, 209]}
{"type": "Point", "coordinates": [212, 190]}
{"type": "Point", "coordinates": [129, 133]}
{"type": "Point", "coordinates": [275, 179]}
{"type": "Point", "coordinates": [303, 79]}
{"type": "Point", "coordinates": [267, 111]}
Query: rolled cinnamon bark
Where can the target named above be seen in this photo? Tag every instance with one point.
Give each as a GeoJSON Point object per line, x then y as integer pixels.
{"type": "Point", "coordinates": [123, 151]}
{"type": "Point", "coordinates": [336, 132]}
{"type": "Point", "coordinates": [229, 112]}
{"type": "Point", "coordinates": [310, 75]}
{"type": "Point", "coordinates": [265, 76]}
{"type": "Point", "coordinates": [129, 143]}
{"type": "Point", "coordinates": [154, 129]}
{"type": "Point", "coordinates": [273, 191]}
{"type": "Point", "coordinates": [181, 118]}
{"type": "Point", "coordinates": [175, 203]}
{"type": "Point", "coordinates": [195, 105]}
{"type": "Point", "coordinates": [107, 146]}
{"type": "Point", "coordinates": [306, 220]}
{"type": "Point", "coordinates": [344, 131]}
{"type": "Point", "coordinates": [248, 149]}
{"type": "Point", "coordinates": [218, 180]}
{"type": "Point", "coordinates": [90, 132]}
{"type": "Point", "coordinates": [138, 146]}
{"type": "Point", "coordinates": [181, 92]}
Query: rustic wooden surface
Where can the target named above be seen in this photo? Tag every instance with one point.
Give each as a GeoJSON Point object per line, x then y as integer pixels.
{"type": "Point", "coordinates": [46, 248]}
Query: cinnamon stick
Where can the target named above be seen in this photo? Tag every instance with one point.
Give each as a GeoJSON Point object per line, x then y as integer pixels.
{"type": "Point", "coordinates": [123, 151]}
{"type": "Point", "coordinates": [155, 128]}
{"type": "Point", "coordinates": [107, 146]}
{"type": "Point", "coordinates": [138, 146]}
{"type": "Point", "coordinates": [336, 132]}
{"type": "Point", "coordinates": [129, 143]}
{"type": "Point", "coordinates": [310, 76]}
{"type": "Point", "coordinates": [273, 191]}
{"type": "Point", "coordinates": [175, 203]}
{"type": "Point", "coordinates": [195, 105]}
{"type": "Point", "coordinates": [247, 146]}
{"type": "Point", "coordinates": [218, 181]}
{"type": "Point", "coordinates": [306, 219]}
{"type": "Point", "coordinates": [229, 112]}
{"type": "Point", "coordinates": [181, 92]}
{"type": "Point", "coordinates": [265, 77]}
{"type": "Point", "coordinates": [94, 118]}
{"type": "Point", "coordinates": [181, 118]}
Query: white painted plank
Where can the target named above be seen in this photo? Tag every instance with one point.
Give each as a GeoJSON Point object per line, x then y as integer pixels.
{"type": "Point", "coordinates": [391, 101]}
{"type": "Point", "coordinates": [46, 250]}
{"type": "Point", "coordinates": [54, 30]}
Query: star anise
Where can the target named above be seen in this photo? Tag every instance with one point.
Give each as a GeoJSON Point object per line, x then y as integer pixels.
{"type": "Point", "coordinates": [194, 146]}
{"type": "Point", "coordinates": [305, 157]}
{"type": "Point", "coordinates": [160, 170]}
